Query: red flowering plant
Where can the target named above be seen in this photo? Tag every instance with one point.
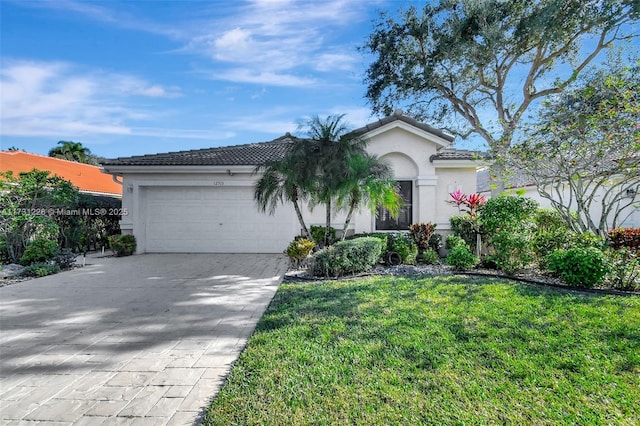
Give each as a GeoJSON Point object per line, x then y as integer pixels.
{"type": "Point", "coordinates": [468, 203]}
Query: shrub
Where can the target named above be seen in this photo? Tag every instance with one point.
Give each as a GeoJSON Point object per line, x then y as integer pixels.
{"type": "Point", "coordinates": [430, 257]}
{"type": "Point", "coordinates": [65, 259]}
{"type": "Point", "coordinates": [347, 257]}
{"type": "Point", "coordinates": [123, 245]}
{"type": "Point", "coordinates": [547, 241]}
{"type": "Point", "coordinates": [454, 241]}
{"type": "Point", "coordinates": [41, 269]}
{"type": "Point", "coordinates": [299, 249]}
{"type": "Point", "coordinates": [421, 234]}
{"type": "Point", "coordinates": [628, 238]}
{"type": "Point", "coordinates": [464, 227]}
{"type": "Point", "coordinates": [585, 240]}
{"type": "Point", "coordinates": [512, 251]}
{"type": "Point", "coordinates": [549, 220]}
{"type": "Point", "coordinates": [39, 250]}
{"type": "Point", "coordinates": [461, 258]}
{"type": "Point", "coordinates": [508, 213]}
{"type": "Point", "coordinates": [403, 245]}
{"type": "Point", "coordinates": [435, 242]}
{"type": "Point", "coordinates": [579, 267]}
{"type": "Point", "coordinates": [624, 269]}
{"type": "Point", "coordinates": [317, 233]}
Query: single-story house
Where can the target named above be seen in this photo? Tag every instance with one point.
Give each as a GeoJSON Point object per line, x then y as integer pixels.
{"type": "Point", "coordinates": [202, 200]}
{"type": "Point", "coordinates": [88, 178]}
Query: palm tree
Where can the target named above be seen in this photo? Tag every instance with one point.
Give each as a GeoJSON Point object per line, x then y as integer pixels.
{"type": "Point", "coordinates": [285, 180]}
{"type": "Point", "coordinates": [369, 181]}
{"type": "Point", "coordinates": [73, 151]}
{"type": "Point", "coordinates": [331, 145]}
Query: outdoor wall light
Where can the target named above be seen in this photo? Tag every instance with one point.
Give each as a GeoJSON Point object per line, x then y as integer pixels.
{"type": "Point", "coordinates": [130, 188]}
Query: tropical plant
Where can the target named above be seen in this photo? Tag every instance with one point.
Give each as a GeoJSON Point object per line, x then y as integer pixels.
{"type": "Point", "coordinates": [29, 207]}
{"type": "Point", "coordinates": [288, 179]}
{"type": "Point", "coordinates": [368, 181]}
{"type": "Point", "coordinates": [73, 151]}
{"type": "Point", "coordinates": [477, 67]}
{"type": "Point", "coordinates": [299, 249]}
{"type": "Point", "coordinates": [123, 245]}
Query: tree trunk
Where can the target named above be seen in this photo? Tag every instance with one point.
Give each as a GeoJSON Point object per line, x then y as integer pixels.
{"type": "Point", "coordinates": [328, 221]}
{"type": "Point", "coordinates": [305, 230]}
{"type": "Point", "coordinates": [347, 221]}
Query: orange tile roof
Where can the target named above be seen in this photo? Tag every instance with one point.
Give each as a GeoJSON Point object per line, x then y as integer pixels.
{"type": "Point", "coordinates": [86, 177]}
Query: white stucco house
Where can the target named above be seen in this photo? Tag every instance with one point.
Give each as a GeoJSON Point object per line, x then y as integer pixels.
{"type": "Point", "coordinates": [202, 200]}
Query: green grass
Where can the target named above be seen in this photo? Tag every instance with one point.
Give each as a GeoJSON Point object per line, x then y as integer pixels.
{"type": "Point", "coordinates": [445, 350]}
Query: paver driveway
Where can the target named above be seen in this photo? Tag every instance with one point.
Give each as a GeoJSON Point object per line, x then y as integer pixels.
{"type": "Point", "coordinates": [138, 340]}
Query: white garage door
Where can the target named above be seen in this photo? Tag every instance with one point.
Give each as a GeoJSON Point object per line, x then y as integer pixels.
{"type": "Point", "coordinates": [213, 220]}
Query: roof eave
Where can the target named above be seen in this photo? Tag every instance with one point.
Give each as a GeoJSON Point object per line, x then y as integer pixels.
{"type": "Point", "coordinates": [138, 168]}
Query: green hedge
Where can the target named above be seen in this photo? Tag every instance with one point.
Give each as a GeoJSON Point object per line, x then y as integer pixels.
{"type": "Point", "coordinates": [348, 257]}
{"type": "Point", "coordinates": [579, 267]}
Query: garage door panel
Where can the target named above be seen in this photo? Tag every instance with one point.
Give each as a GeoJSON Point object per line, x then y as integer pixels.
{"type": "Point", "coordinates": [213, 219]}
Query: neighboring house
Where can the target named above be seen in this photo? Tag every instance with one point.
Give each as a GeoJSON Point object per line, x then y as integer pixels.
{"type": "Point", "coordinates": [519, 183]}
{"type": "Point", "coordinates": [202, 200]}
{"type": "Point", "coordinates": [89, 179]}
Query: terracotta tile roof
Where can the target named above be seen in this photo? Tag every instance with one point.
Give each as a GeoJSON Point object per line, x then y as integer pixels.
{"type": "Point", "coordinates": [86, 177]}
{"type": "Point", "coordinates": [238, 155]}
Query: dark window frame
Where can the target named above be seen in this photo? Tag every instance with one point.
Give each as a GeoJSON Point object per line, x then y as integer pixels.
{"type": "Point", "coordinates": [384, 221]}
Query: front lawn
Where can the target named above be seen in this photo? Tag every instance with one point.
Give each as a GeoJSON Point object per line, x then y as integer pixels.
{"type": "Point", "coordinates": [443, 350]}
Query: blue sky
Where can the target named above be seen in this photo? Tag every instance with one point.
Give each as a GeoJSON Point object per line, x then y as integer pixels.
{"type": "Point", "coordinates": [139, 77]}
{"type": "Point", "coordinates": [128, 78]}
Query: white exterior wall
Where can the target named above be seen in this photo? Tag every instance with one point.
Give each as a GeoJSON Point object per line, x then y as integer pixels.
{"type": "Point", "coordinates": [405, 148]}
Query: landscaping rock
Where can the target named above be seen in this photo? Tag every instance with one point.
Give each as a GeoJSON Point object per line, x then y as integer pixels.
{"type": "Point", "coordinates": [11, 270]}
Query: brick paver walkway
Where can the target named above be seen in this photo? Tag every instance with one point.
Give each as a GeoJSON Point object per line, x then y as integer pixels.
{"type": "Point", "coordinates": [141, 340]}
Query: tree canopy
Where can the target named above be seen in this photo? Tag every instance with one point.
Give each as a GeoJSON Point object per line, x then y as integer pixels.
{"type": "Point", "coordinates": [583, 153]}
{"type": "Point", "coordinates": [476, 67]}
{"type": "Point", "coordinates": [73, 151]}
{"type": "Point", "coordinates": [330, 167]}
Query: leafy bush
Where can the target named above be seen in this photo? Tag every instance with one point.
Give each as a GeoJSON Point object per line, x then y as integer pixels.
{"type": "Point", "coordinates": [624, 269]}
{"type": "Point", "coordinates": [39, 250]}
{"type": "Point", "coordinates": [547, 241]}
{"type": "Point", "coordinates": [404, 245]}
{"type": "Point", "coordinates": [461, 258]}
{"type": "Point", "coordinates": [464, 227]}
{"type": "Point", "coordinates": [508, 213]}
{"type": "Point", "coordinates": [430, 257]}
{"type": "Point", "coordinates": [421, 234]}
{"type": "Point", "coordinates": [347, 257]}
{"type": "Point", "coordinates": [435, 242]}
{"type": "Point", "coordinates": [549, 220]}
{"type": "Point", "coordinates": [317, 233]}
{"type": "Point", "coordinates": [41, 269]}
{"type": "Point", "coordinates": [452, 241]}
{"type": "Point", "coordinates": [587, 239]}
{"type": "Point", "coordinates": [299, 249]}
{"type": "Point", "coordinates": [512, 251]}
{"type": "Point", "coordinates": [628, 238]}
{"type": "Point", "coordinates": [579, 267]}
{"type": "Point", "coordinates": [65, 259]}
{"type": "Point", "coordinates": [122, 245]}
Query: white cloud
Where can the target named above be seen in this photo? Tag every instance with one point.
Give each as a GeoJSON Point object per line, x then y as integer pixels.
{"type": "Point", "coordinates": [243, 75]}
{"type": "Point", "coordinates": [57, 99]}
{"type": "Point", "coordinates": [271, 42]}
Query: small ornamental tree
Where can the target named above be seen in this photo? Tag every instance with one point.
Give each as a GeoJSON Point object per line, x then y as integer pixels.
{"type": "Point", "coordinates": [470, 204]}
